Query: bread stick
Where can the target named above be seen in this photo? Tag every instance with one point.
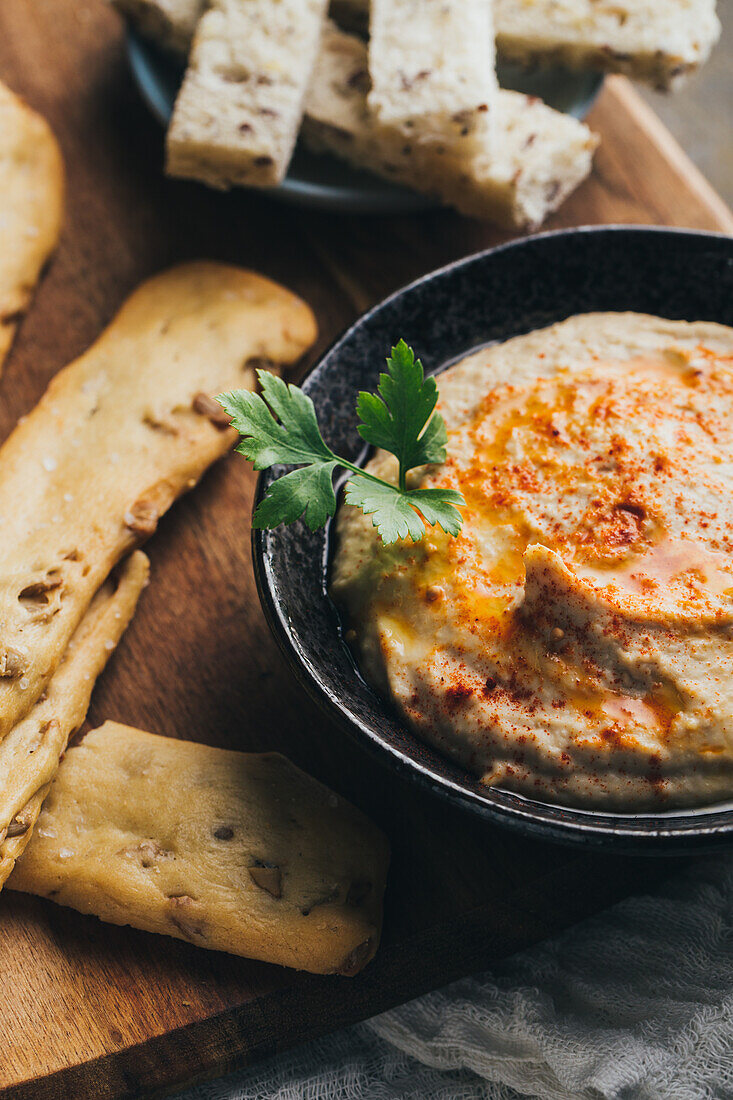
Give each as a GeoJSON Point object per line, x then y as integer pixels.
{"type": "Point", "coordinates": [237, 115]}
{"type": "Point", "coordinates": [431, 66]}
{"type": "Point", "coordinates": [118, 435]}
{"type": "Point", "coordinates": [232, 851]}
{"type": "Point", "coordinates": [30, 754]}
{"type": "Point", "coordinates": [31, 207]}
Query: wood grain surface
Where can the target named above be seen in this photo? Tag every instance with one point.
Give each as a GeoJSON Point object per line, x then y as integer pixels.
{"type": "Point", "coordinates": [96, 1011]}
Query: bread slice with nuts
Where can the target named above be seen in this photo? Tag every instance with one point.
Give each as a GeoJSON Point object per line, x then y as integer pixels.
{"type": "Point", "coordinates": [237, 852]}
{"type": "Point", "coordinates": [237, 115]}
{"type": "Point", "coordinates": [538, 156]}
{"type": "Point", "coordinates": [657, 41]}
{"type": "Point", "coordinates": [117, 437]}
{"type": "Point", "coordinates": [31, 207]}
{"type": "Point", "coordinates": [431, 65]}
{"type": "Point", "coordinates": [30, 754]}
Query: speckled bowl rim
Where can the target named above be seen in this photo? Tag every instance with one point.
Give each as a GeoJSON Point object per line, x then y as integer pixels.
{"type": "Point", "coordinates": [666, 833]}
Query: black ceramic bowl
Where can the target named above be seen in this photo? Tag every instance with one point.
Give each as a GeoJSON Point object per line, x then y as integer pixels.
{"type": "Point", "coordinates": [492, 296]}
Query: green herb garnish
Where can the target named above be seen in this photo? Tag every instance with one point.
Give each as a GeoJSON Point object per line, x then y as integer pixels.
{"type": "Point", "coordinates": [281, 427]}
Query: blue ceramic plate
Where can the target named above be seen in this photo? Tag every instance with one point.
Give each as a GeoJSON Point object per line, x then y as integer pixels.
{"type": "Point", "coordinates": [488, 297]}
{"type": "Point", "coordinates": [325, 183]}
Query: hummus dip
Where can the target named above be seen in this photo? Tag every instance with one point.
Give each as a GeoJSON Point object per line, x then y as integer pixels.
{"type": "Point", "coordinates": [575, 642]}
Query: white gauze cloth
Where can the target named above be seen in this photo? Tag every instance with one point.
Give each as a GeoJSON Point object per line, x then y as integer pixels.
{"type": "Point", "coordinates": [634, 1004]}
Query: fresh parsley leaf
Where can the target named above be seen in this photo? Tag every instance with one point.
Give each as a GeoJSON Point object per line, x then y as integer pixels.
{"type": "Point", "coordinates": [281, 427]}
{"type": "Point", "coordinates": [395, 511]}
{"type": "Point", "coordinates": [295, 438]}
{"type": "Point", "coordinates": [394, 418]}
{"type": "Point", "coordinates": [307, 492]}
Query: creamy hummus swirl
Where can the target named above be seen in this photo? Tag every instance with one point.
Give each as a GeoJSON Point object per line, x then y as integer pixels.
{"type": "Point", "coordinates": [575, 643]}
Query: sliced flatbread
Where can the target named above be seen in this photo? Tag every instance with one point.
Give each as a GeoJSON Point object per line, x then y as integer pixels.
{"type": "Point", "coordinates": [431, 65]}
{"type": "Point", "coordinates": [29, 755]}
{"type": "Point", "coordinates": [237, 115]}
{"type": "Point", "coordinates": [237, 852]}
{"type": "Point", "coordinates": [31, 207]}
{"type": "Point", "coordinates": [539, 155]}
{"type": "Point", "coordinates": [119, 434]}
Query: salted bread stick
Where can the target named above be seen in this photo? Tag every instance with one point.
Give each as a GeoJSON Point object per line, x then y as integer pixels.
{"type": "Point", "coordinates": [31, 207]}
{"type": "Point", "coordinates": [237, 852]}
{"type": "Point", "coordinates": [29, 755]}
{"type": "Point", "coordinates": [431, 64]}
{"type": "Point", "coordinates": [237, 115]}
{"type": "Point", "coordinates": [538, 156]}
{"type": "Point", "coordinates": [118, 435]}
{"type": "Point", "coordinates": [171, 23]}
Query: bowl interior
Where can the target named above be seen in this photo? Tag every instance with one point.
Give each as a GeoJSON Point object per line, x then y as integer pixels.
{"type": "Point", "coordinates": [489, 297]}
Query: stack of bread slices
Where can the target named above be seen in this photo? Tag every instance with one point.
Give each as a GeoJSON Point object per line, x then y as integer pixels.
{"type": "Point", "coordinates": [407, 88]}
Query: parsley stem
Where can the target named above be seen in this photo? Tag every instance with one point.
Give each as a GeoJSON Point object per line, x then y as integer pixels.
{"type": "Point", "coordinates": [359, 470]}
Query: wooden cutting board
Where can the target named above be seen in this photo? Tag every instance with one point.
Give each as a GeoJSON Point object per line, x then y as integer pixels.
{"type": "Point", "coordinates": [95, 1011]}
